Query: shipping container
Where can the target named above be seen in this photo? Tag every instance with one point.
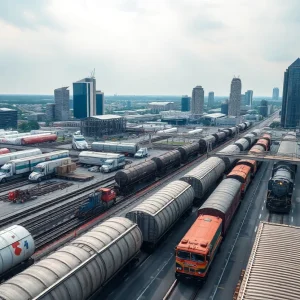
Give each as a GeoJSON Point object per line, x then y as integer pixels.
{"type": "Point", "coordinates": [79, 269]}
{"type": "Point", "coordinates": [223, 202]}
{"type": "Point", "coordinates": [157, 214]}
{"type": "Point", "coordinates": [205, 175]}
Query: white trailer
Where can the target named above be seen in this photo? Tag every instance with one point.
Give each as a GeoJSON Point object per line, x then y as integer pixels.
{"type": "Point", "coordinates": [47, 169]}
{"type": "Point", "coordinates": [4, 133]}
{"type": "Point", "coordinates": [97, 158]}
{"type": "Point", "coordinates": [195, 131]}
{"type": "Point", "coordinates": [21, 167]}
{"type": "Point", "coordinates": [168, 131]}
{"type": "Point", "coordinates": [116, 147]}
{"type": "Point", "coordinates": [4, 158]}
{"type": "Point", "coordinates": [79, 142]}
{"type": "Point", "coordinates": [113, 164]}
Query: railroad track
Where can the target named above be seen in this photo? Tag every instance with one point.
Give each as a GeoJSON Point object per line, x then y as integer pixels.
{"type": "Point", "coordinates": [171, 293]}
{"type": "Point", "coordinates": [14, 218]}
{"type": "Point", "coordinates": [13, 184]}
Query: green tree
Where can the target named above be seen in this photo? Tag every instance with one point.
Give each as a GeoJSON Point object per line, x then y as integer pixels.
{"type": "Point", "coordinates": [30, 125]}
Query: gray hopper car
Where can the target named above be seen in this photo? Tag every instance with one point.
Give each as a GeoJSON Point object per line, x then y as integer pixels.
{"type": "Point", "coordinates": [188, 150]}
{"type": "Point", "coordinates": [167, 160]}
{"type": "Point", "coordinates": [202, 177]}
{"type": "Point", "coordinates": [142, 171]}
{"type": "Point", "coordinates": [157, 214]}
{"type": "Point", "coordinates": [242, 143]}
{"type": "Point", "coordinates": [231, 149]}
{"type": "Point", "coordinates": [250, 137]}
{"type": "Point", "coordinates": [77, 270]}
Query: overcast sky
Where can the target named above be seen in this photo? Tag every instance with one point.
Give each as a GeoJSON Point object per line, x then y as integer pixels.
{"type": "Point", "coordinates": [147, 46]}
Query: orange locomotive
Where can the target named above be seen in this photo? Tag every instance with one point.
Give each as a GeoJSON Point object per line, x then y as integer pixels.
{"type": "Point", "coordinates": [197, 249]}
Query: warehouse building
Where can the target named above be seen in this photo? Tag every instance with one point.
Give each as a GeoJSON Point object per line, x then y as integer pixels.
{"type": "Point", "coordinates": [157, 107]}
{"type": "Point", "coordinates": [8, 118]}
{"type": "Point", "coordinates": [98, 126]}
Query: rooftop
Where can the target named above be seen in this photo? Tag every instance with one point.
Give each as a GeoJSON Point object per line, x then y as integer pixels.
{"type": "Point", "coordinates": [107, 117]}
{"type": "Point", "coordinates": [215, 115]}
{"type": "Point", "coordinates": [160, 103]}
{"type": "Point", "coordinates": [295, 64]}
{"type": "Point", "coordinates": [6, 109]}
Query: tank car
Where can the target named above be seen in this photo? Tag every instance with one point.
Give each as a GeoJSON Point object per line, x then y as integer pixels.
{"type": "Point", "coordinates": [167, 160]}
{"type": "Point", "coordinates": [204, 142]}
{"type": "Point", "coordinates": [256, 132]}
{"type": "Point", "coordinates": [34, 139]}
{"type": "Point", "coordinates": [220, 136]}
{"type": "Point", "coordinates": [241, 127]}
{"type": "Point", "coordinates": [17, 247]}
{"type": "Point", "coordinates": [242, 143]}
{"type": "Point", "coordinates": [137, 173]}
{"type": "Point", "coordinates": [232, 130]}
{"type": "Point", "coordinates": [4, 151]}
{"type": "Point", "coordinates": [188, 150]}
{"type": "Point", "coordinates": [227, 132]}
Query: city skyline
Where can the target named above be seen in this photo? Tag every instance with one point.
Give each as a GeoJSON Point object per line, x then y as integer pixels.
{"type": "Point", "coordinates": [42, 37]}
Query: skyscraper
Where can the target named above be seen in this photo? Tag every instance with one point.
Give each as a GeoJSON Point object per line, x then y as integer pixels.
{"type": "Point", "coordinates": [243, 99]}
{"type": "Point", "coordinates": [185, 103]}
{"type": "Point", "coordinates": [275, 95]}
{"type": "Point", "coordinates": [249, 97]}
{"type": "Point", "coordinates": [197, 103]}
{"type": "Point", "coordinates": [211, 99]}
{"type": "Point", "coordinates": [99, 103]}
{"type": "Point", "coordinates": [62, 99]}
{"type": "Point", "coordinates": [263, 109]}
{"type": "Point", "coordinates": [224, 107]}
{"type": "Point", "coordinates": [84, 98]}
{"type": "Point", "coordinates": [290, 112]}
{"type": "Point", "coordinates": [234, 105]}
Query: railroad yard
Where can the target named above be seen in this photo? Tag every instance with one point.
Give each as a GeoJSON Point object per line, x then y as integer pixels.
{"type": "Point", "coordinates": [130, 228]}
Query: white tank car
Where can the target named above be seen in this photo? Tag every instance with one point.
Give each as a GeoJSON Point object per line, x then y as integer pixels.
{"type": "Point", "coordinates": [16, 246]}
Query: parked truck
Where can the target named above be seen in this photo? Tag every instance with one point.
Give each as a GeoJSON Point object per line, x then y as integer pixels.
{"type": "Point", "coordinates": [47, 169]}
{"type": "Point", "coordinates": [116, 147]}
{"type": "Point", "coordinates": [23, 166]}
{"type": "Point", "coordinates": [79, 142]}
{"type": "Point", "coordinates": [97, 158]}
{"type": "Point", "coordinates": [142, 152]}
{"type": "Point", "coordinates": [113, 164]}
{"type": "Point", "coordinates": [4, 158]}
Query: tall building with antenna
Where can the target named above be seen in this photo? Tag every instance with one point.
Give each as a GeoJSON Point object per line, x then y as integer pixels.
{"type": "Point", "coordinates": [234, 104]}
{"type": "Point", "coordinates": [87, 102]}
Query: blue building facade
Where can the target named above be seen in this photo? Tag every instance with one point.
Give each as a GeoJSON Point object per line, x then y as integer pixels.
{"type": "Point", "coordinates": [290, 112]}
{"type": "Point", "coordinates": [185, 103]}
{"type": "Point", "coordinates": [99, 103]}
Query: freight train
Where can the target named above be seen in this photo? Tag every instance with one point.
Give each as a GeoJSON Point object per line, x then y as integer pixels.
{"type": "Point", "coordinates": [202, 178]}
{"type": "Point", "coordinates": [198, 248]}
{"type": "Point", "coordinates": [281, 183]}
{"type": "Point", "coordinates": [157, 166]}
{"type": "Point", "coordinates": [117, 242]}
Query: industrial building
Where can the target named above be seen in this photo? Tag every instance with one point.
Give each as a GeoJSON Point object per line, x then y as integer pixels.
{"type": "Point", "coordinates": [50, 111]}
{"type": "Point", "coordinates": [87, 102]}
{"type": "Point", "coordinates": [234, 105]}
{"type": "Point", "coordinates": [290, 112]}
{"type": "Point", "coordinates": [197, 103]}
{"type": "Point", "coordinates": [157, 107]}
{"type": "Point", "coordinates": [185, 103]}
{"type": "Point", "coordinates": [98, 126]}
{"type": "Point", "coordinates": [38, 117]}
{"type": "Point", "coordinates": [8, 118]}
{"type": "Point", "coordinates": [62, 99]}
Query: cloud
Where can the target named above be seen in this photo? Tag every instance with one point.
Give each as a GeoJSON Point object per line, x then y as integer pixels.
{"type": "Point", "coordinates": [26, 14]}
{"type": "Point", "coordinates": [146, 47]}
